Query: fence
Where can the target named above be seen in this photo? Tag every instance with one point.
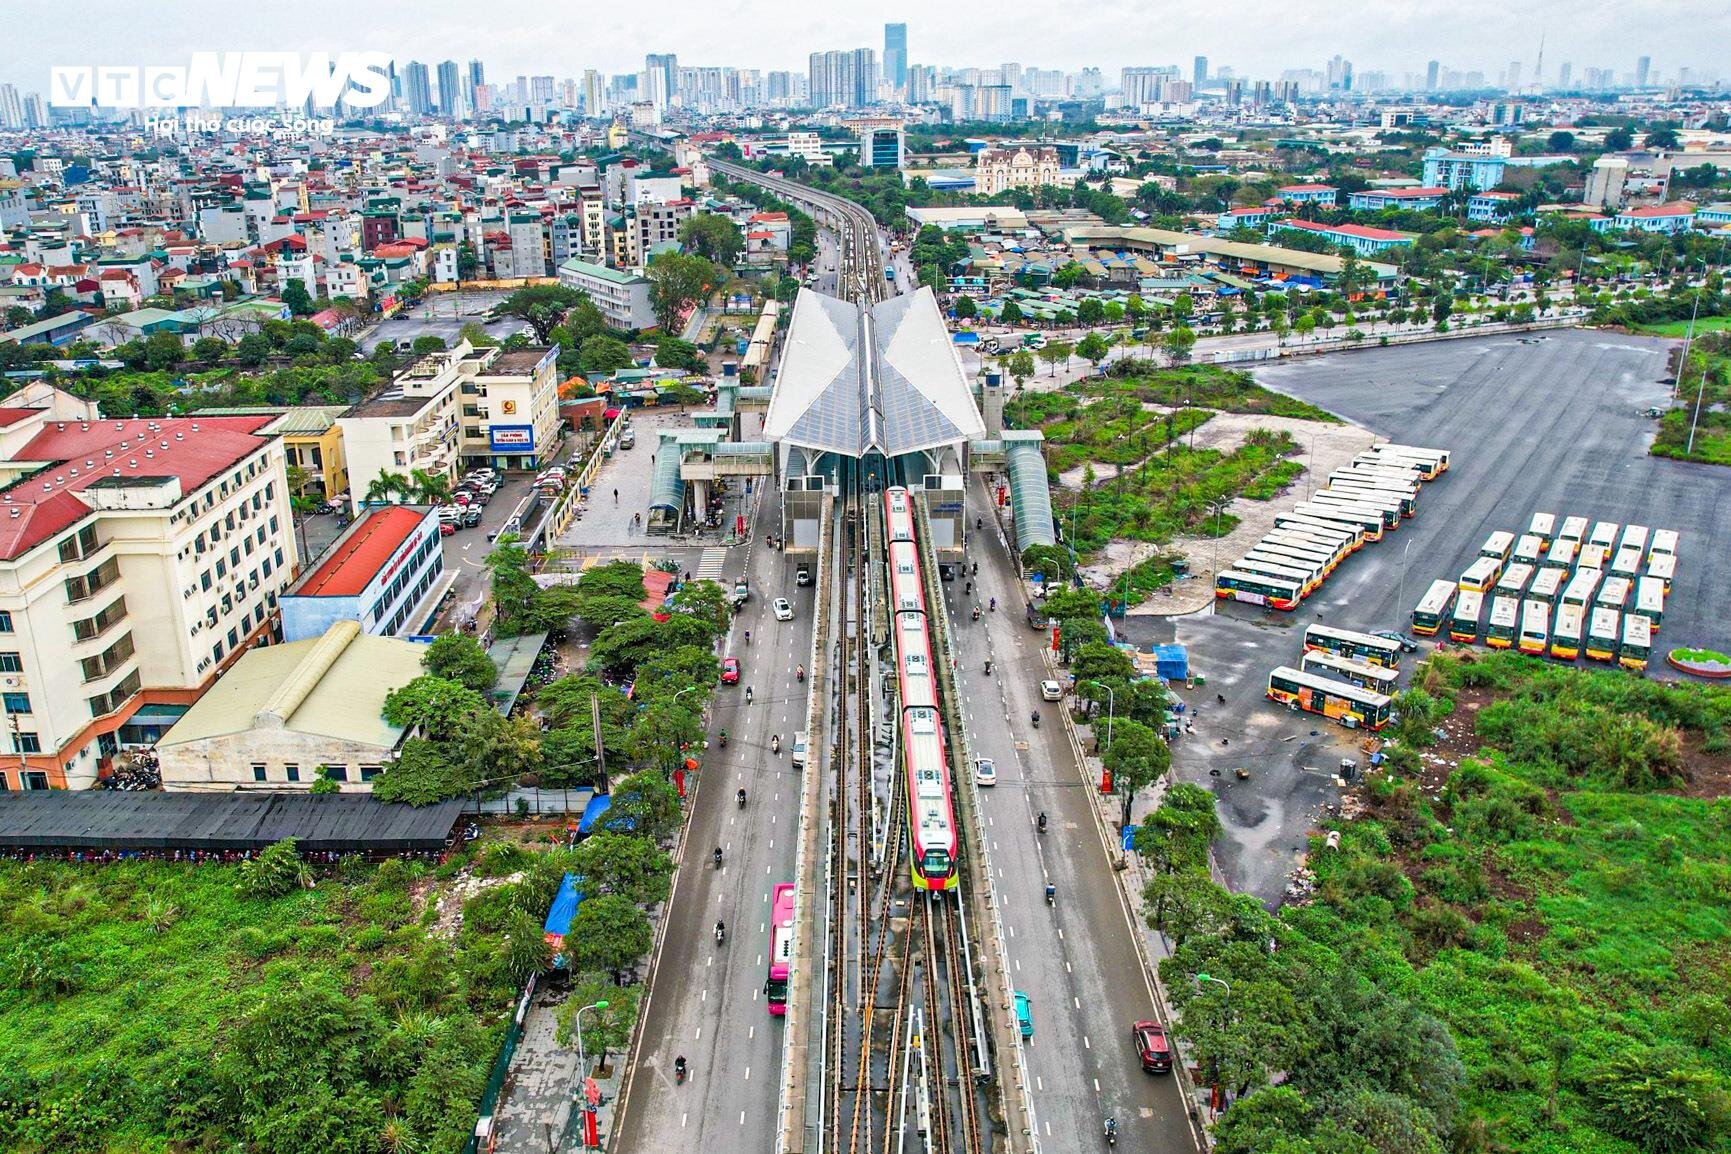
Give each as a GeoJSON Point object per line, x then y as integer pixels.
{"type": "Point", "coordinates": [501, 1068]}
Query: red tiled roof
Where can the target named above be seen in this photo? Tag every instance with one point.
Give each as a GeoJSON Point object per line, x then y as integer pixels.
{"type": "Point", "coordinates": [1359, 230]}
{"type": "Point", "coordinates": [363, 553]}
{"type": "Point", "coordinates": [1661, 210]}
{"type": "Point", "coordinates": [210, 446]}
{"type": "Point", "coordinates": [1307, 188]}
{"type": "Point", "coordinates": [10, 415]}
{"type": "Point", "coordinates": [1405, 193]}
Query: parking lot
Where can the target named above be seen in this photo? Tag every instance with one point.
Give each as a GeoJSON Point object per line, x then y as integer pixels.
{"type": "Point", "coordinates": [1549, 426]}
{"type": "Point", "coordinates": [443, 315]}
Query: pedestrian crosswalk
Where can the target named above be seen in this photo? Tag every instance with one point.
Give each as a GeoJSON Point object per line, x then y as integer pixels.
{"type": "Point", "coordinates": [709, 567]}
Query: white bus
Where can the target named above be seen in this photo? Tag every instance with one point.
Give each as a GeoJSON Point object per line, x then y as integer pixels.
{"type": "Point", "coordinates": [1602, 634]}
{"type": "Point", "coordinates": [1406, 502]}
{"type": "Point", "coordinates": [1482, 574]}
{"type": "Point", "coordinates": [1505, 619]}
{"type": "Point", "coordinates": [1360, 673]}
{"type": "Point", "coordinates": [1389, 513]}
{"type": "Point", "coordinates": [1593, 557]}
{"type": "Point", "coordinates": [1543, 526]}
{"type": "Point", "coordinates": [1637, 642]}
{"type": "Point", "coordinates": [1350, 643]}
{"type": "Point", "coordinates": [1535, 627]}
{"type": "Point", "coordinates": [1351, 537]}
{"type": "Point", "coordinates": [1334, 552]}
{"type": "Point", "coordinates": [1529, 550]}
{"type": "Point", "coordinates": [1581, 588]}
{"type": "Point", "coordinates": [1575, 527]}
{"type": "Point", "coordinates": [1664, 542]}
{"type": "Point", "coordinates": [1650, 600]}
{"type": "Point", "coordinates": [1566, 634]}
{"type": "Point", "coordinates": [1548, 585]}
{"type": "Point", "coordinates": [1352, 495]}
{"type": "Point", "coordinates": [1369, 521]}
{"type": "Point", "coordinates": [1435, 461]}
{"type": "Point", "coordinates": [1308, 578]}
{"type": "Point", "coordinates": [1464, 621]}
{"type": "Point", "coordinates": [1663, 566]}
{"type": "Point", "coordinates": [1301, 556]}
{"type": "Point", "coordinates": [1514, 581]}
{"type": "Point", "coordinates": [1388, 474]}
{"type": "Point", "coordinates": [1560, 553]}
{"type": "Point", "coordinates": [1433, 608]}
{"type": "Point", "coordinates": [1499, 545]}
{"type": "Point", "coordinates": [1258, 589]}
{"type": "Point", "coordinates": [1604, 533]}
{"type": "Point", "coordinates": [1627, 563]}
{"type": "Point", "coordinates": [1634, 537]}
{"type": "Point", "coordinates": [1614, 593]}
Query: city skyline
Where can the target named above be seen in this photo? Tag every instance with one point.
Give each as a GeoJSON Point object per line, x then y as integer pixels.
{"type": "Point", "coordinates": [1595, 34]}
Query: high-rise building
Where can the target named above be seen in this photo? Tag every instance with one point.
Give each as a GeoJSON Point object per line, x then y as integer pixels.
{"type": "Point", "coordinates": [1643, 71]}
{"type": "Point", "coordinates": [451, 102]}
{"type": "Point", "coordinates": [896, 56]}
{"type": "Point", "coordinates": [594, 92]}
{"type": "Point", "coordinates": [1143, 85]}
{"type": "Point", "coordinates": [11, 107]}
{"type": "Point", "coordinates": [1514, 76]}
{"type": "Point", "coordinates": [1199, 71]}
{"type": "Point", "coordinates": [417, 89]}
{"type": "Point", "coordinates": [843, 79]}
{"type": "Point", "coordinates": [1339, 74]}
{"type": "Point", "coordinates": [922, 84]}
{"type": "Point", "coordinates": [1564, 74]}
{"type": "Point", "coordinates": [1432, 72]}
{"type": "Point", "coordinates": [35, 113]}
{"type": "Point", "coordinates": [661, 78]}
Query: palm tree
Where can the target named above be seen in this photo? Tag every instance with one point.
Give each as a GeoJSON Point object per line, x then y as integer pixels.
{"type": "Point", "coordinates": [388, 488]}
{"type": "Point", "coordinates": [429, 488]}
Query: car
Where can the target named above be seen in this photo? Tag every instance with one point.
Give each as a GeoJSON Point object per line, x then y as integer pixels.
{"type": "Point", "coordinates": [802, 575]}
{"type": "Point", "coordinates": [1153, 1048]}
{"type": "Point", "coordinates": [799, 746]}
{"type": "Point", "coordinates": [783, 609]}
{"type": "Point", "coordinates": [1051, 691]}
{"type": "Point", "coordinates": [1025, 1014]}
{"type": "Point", "coordinates": [730, 671]}
{"type": "Point", "coordinates": [1036, 341]}
{"type": "Point", "coordinates": [985, 772]}
{"type": "Point", "coordinates": [447, 528]}
{"type": "Point", "coordinates": [1407, 644]}
{"type": "Point", "coordinates": [462, 497]}
{"type": "Point", "coordinates": [471, 517]}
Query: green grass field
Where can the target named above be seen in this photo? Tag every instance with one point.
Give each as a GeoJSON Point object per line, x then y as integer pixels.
{"type": "Point", "coordinates": [1680, 328]}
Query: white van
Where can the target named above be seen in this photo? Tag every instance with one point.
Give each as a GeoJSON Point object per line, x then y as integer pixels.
{"type": "Point", "coordinates": [799, 741]}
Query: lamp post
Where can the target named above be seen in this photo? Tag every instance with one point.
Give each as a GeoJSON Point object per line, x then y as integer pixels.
{"type": "Point", "coordinates": [1203, 979]}
{"type": "Point", "coordinates": [1217, 508]}
{"type": "Point", "coordinates": [582, 1059]}
{"type": "Point", "coordinates": [1398, 605]}
{"type": "Point", "coordinates": [1111, 707]}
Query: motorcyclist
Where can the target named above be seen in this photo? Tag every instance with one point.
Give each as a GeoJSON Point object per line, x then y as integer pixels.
{"type": "Point", "coordinates": [1051, 893]}
{"type": "Point", "coordinates": [748, 637]}
{"type": "Point", "coordinates": [679, 1067]}
{"type": "Point", "coordinates": [1036, 719]}
{"type": "Point", "coordinates": [988, 667]}
{"type": "Point", "coordinates": [724, 739]}
{"type": "Point", "coordinates": [1111, 1131]}
{"type": "Point", "coordinates": [1042, 821]}
{"type": "Point", "coordinates": [717, 857]}
{"type": "Point", "coordinates": [720, 931]}
{"type": "Point", "coordinates": [976, 613]}
{"type": "Point", "coordinates": [748, 695]}
{"type": "Point", "coordinates": [800, 673]}
{"type": "Point", "coordinates": [775, 744]}
{"type": "Point", "coordinates": [741, 796]}
{"type": "Point", "coordinates": [994, 605]}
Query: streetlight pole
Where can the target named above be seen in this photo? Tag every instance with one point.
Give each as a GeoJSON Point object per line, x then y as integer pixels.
{"type": "Point", "coordinates": [1203, 979]}
{"type": "Point", "coordinates": [1111, 707]}
{"type": "Point", "coordinates": [1399, 605]}
{"type": "Point", "coordinates": [582, 1059]}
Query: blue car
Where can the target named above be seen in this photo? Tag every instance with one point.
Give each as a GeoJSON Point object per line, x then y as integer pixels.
{"type": "Point", "coordinates": [1025, 1014]}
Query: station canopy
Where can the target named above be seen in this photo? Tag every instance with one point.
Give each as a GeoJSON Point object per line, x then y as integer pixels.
{"type": "Point", "coordinates": [855, 379]}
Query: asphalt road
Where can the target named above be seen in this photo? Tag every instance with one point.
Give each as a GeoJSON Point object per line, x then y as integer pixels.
{"type": "Point", "coordinates": [708, 1001]}
{"type": "Point", "coordinates": [1077, 961]}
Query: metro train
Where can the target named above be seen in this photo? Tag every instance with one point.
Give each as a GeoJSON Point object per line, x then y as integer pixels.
{"type": "Point", "coordinates": [932, 817]}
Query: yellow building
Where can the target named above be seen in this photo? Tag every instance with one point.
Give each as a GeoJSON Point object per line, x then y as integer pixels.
{"type": "Point", "coordinates": [311, 440]}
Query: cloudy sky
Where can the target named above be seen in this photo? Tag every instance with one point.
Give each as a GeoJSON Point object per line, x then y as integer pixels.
{"type": "Point", "coordinates": [560, 37]}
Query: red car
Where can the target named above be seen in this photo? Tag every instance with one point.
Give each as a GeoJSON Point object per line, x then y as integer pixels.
{"type": "Point", "coordinates": [730, 671]}
{"type": "Point", "coordinates": [1152, 1046]}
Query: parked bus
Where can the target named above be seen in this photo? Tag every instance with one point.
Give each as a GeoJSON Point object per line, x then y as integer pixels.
{"type": "Point", "coordinates": [1614, 593]}
{"type": "Point", "coordinates": [1464, 623]}
{"type": "Point", "coordinates": [1566, 634]}
{"type": "Point", "coordinates": [1308, 579]}
{"type": "Point", "coordinates": [1368, 522]}
{"type": "Point", "coordinates": [1332, 552]}
{"type": "Point", "coordinates": [1602, 634]}
{"type": "Point", "coordinates": [1397, 475]}
{"type": "Point", "coordinates": [1529, 550]}
{"type": "Point", "coordinates": [1349, 643]}
{"type": "Point", "coordinates": [1505, 618]}
{"type": "Point", "coordinates": [1351, 706]}
{"type": "Point", "coordinates": [1664, 543]}
{"type": "Point", "coordinates": [1514, 581]}
{"type": "Point", "coordinates": [1604, 533]}
{"type": "Point", "coordinates": [1650, 601]}
{"type": "Point", "coordinates": [1352, 534]}
{"type": "Point", "coordinates": [1257, 588]}
{"type": "Point", "coordinates": [1595, 557]}
{"type": "Point", "coordinates": [1482, 574]}
{"type": "Point", "coordinates": [1434, 461]}
{"type": "Point", "coordinates": [1360, 673]}
{"type": "Point", "coordinates": [1548, 585]}
{"type": "Point", "coordinates": [780, 947]}
{"type": "Point", "coordinates": [1414, 469]}
{"type": "Point", "coordinates": [1662, 566]}
{"type": "Point", "coordinates": [1303, 558]}
{"type": "Point", "coordinates": [1634, 537]}
{"type": "Point", "coordinates": [1535, 627]}
{"type": "Point", "coordinates": [1575, 527]}
{"type": "Point", "coordinates": [1560, 554]}
{"type": "Point", "coordinates": [1581, 588]}
{"type": "Point", "coordinates": [1627, 563]}
{"type": "Point", "coordinates": [1433, 608]}
{"type": "Point", "coordinates": [1427, 467]}
{"type": "Point", "coordinates": [1405, 503]}
{"type": "Point", "coordinates": [1637, 642]}
{"type": "Point", "coordinates": [1543, 526]}
{"type": "Point", "coordinates": [1388, 512]}
{"type": "Point", "coordinates": [1498, 545]}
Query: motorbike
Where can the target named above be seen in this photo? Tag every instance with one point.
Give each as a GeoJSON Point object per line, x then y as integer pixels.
{"type": "Point", "coordinates": [1051, 895]}
{"type": "Point", "coordinates": [679, 1069]}
{"type": "Point", "coordinates": [717, 857]}
{"type": "Point", "coordinates": [1042, 823]}
{"type": "Point", "coordinates": [800, 674]}
{"type": "Point", "coordinates": [988, 669]}
{"type": "Point", "coordinates": [1111, 1132]}
{"type": "Point", "coordinates": [976, 613]}
{"type": "Point", "coordinates": [741, 796]}
{"type": "Point", "coordinates": [1036, 719]}
{"type": "Point", "coordinates": [723, 739]}
{"type": "Point", "coordinates": [775, 745]}
{"type": "Point", "coordinates": [748, 695]}
{"type": "Point", "coordinates": [720, 933]}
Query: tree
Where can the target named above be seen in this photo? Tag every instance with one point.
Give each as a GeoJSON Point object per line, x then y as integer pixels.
{"type": "Point", "coordinates": [1303, 326]}
{"type": "Point", "coordinates": [1441, 308]}
{"type": "Point", "coordinates": [427, 344]}
{"type": "Point", "coordinates": [609, 933]}
{"type": "Point", "coordinates": [209, 349]}
{"type": "Point", "coordinates": [1137, 757]}
{"type": "Point", "coordinates": [677, 281]}
{"type": "Point", "coordinates": [706, 601]}
{"type": "Point", "coordinates": [1011, 313]}
{"type": "Point", "coordinates": [1020, 366]}
{"type": "Point", "coordinates": [1185, 904]}
{"type": "Point", "coordinates": [295, 296]}
{"type": "Point", "coordinates": [1055, 353]}
{"type": "Point", "coordinates": [1090, 311]}
{"type": "Point", "coordinates": [644, 803]}
{"type": "Point", "coordinates": [713, 237]}
{"type": "Point", "coordinates": [1094, 348]}
{"type": "Point", "coordinates": [621, 649]}
{"type": "Point", "coordinates": [1178, 344]}
{"type": "Point", "coordinates": [323, 782]}
{"type": "Point", "coordinates": [664, 731]}
{"type": "Point", "coordinates": [276, 871]}
{"type": "Point", "coordinates": [477, 336]}
{"type": "Point", "coordinates": [605, 1029]}
{"type": "Point", "coordinates": [541, 306]}
{"type": "Point", "coordinates": [1663, 136]}
{"type": "Point", "coordinates": [18, 316]}
{"type": "Point", "coordinates": [673, 353]}
{"type": "Point", "coordinates": [421, 775]}
{"type": "Point", "coordinates": [632, 867]}
{"type": "Point", "coordinates": [163, 351]}
{"type": "Point", "coordinates": [965, 308]}
{"type": "Point", "coordinates": [460, 658]}
{"type": "Point", "coordinates": [525, 950]}
{"type": "Point", "coordinates": [429, 488]}
{"type": "Point", "coordinates": [1176, 836]}
{"type": "Point", "coordinates": [1560, 141]}
{"type": "Point", "coordinates": [1619, 140]}
{"type": "Point", "coordinates": [603, 354]}
{"type": "Point", "coordinates": [434, 705]}
{"type": "Point", "coordinates": [1658, 1100]}
{"type": "Point", "coordinates": [514, 590]}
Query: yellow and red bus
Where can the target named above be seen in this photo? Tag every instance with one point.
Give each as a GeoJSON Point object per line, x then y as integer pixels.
{"type": "Point", "coordinates": [1529, 550]}
{"type": "Point", "coordinates": [1560, 553]}
{"type": "Point", "coordinates": [1351, 535]}
{"type": "Point", "coordinates": [1543, 527]}
{"type": "Point", "coordinates": [1353, 707]}
{"type": "Point", "coordinates": [1581, 587]}
{"type": "Point", "coordinates": [1504, 623]}
{"type": "Point", "coordinates": [1464, 622]}
{"type": "Point", "coordinates": [1650, 601]}
{"type": "Point", "coordinates": [1433, 608]}
{"type": "Point", "coordinates": [1351, 643]}
{"type": "Point", "coordinates": [1637, 642]}
{"type": "Point", "coordinates": [1514, 581]}
{"type": "Point", "coordinates": [1308, 577]}
{"type": "Point", "coordinates": [1664, 544]}
{"type": "Point", "coordinates": [1257, 589]}
{"type": "Point", "coordinates": [1482, 574]}
{"type": "Point", "coordinates": [1360, 673]}
{"type": "Point", "coordinates": [1566, 635]}
{"type": "Point", "coordinates": [1367, 521]}
{"type": "Point", "coordinates": [1535, 627]}
{"type": "Point", "coordinates": [1498, 545]}
{"type": "Point", "coordinates": [1602, 634]}
{"type": "Point", "coordinates": [1548, 585]}
{"type": "Point", "coordinates": [1662, 567]}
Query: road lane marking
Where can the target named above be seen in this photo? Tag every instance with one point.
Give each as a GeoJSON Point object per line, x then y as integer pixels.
{"type": "Point", "coordinates": [1038, 1084]}
{"type": "Point", "coordinates": [1096, 1085]}
{"type": "Point", "coordinates": [1078, 1002]}
{"type": "Point", "coordinates": [748, 1073]}
{"type": "Point", "coordinates": [1086, 1045]}
{"type": "Point", "coordinates": [684, 1118]}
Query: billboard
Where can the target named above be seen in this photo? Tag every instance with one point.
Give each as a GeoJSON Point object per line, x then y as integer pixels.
{"type": "Point", "coordinates": [512, 438]}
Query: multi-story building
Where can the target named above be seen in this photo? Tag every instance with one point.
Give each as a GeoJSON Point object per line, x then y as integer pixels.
{"type": "Point", "coordinates": [138, 559]}
{"type": "Point", "coordinates": [1318, 194]}
{"type": "Point", "coordinates": [881, 142]}
{"type": "Point", "coordinates": [843, 79]}
{"type": "Point", "coordinates": [896, 57]}
{"type": "Point", "coordinates": [1492, 207]}
{"type": "Point", "coordinates": [528, 249]}
{"type": "Point", "coordinates": [1678, 217]}
{"type": "Point", "coordinates": [1413, 199]}
{"type": "Point", "coordinates": [1363, 240]}
{"type": "Point", "coordinates": [386, 571]}
{"type": "Point", "coordinates": [409, 427]}
{"type": "Point", "coordinates": [311, 443]}
{"type": "Point", "coordinates": [510, 406]}
{"type": "Point", "coordinates": [996, 169]}
{"type": "Point", "coordinates": [622, 297]}
{"type": "Point", "coordinates": [1452, 170]}
{"type": "Point", "coordinates": [1605, 183]}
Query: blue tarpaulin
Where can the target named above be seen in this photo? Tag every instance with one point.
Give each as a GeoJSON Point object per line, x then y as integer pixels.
{"type": "Point", "coordinates": [1171, 662]}
{"type": "Point", "coordinates": [592, 813]}
{"type": "Point", "coordinates": [565, 904]}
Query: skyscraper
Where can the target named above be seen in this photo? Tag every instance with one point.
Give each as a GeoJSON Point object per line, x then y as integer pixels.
{"type": "Point", "coordinates": [594, 92]}
{"type": "Point", "coordinates": [1565, 74]}
{"type": "Point", "coordinates": [661, 74]}
{"type": "Point", "coordinates": [847, 79]}
{"type": "Point", "coordinates": [1199, 71]}
{"type": "Point", "coordinates": [1514, 76]}
{"type": "Point", "coordinates": [451, 102]}
{"type": "Point", "coordinates": [477, 78]}
{"type": "Point", "coordinates": [11, 107]}
{"type": "Point", "coordinates": [896, 56]}
{"type": "Point", "coordinates": [1432, 72]}
{"type": "Point", "coordinates": [1643, 71]}
{"type": "Point", "coordinates": [417, 89]}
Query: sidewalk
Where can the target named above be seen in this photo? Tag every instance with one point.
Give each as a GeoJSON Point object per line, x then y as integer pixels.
{"type": "Point", "coordinates": [536, 1114]}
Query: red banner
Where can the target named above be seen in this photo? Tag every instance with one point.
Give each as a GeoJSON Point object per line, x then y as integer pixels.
{"type": "Point", "coordinates": [679, 781]}
{"type": "Point", "coordinates": [1055, 632]}
{"type": "Point", "coordinates": [591, 1132]}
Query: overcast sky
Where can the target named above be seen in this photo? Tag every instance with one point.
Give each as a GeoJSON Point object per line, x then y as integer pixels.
{"type": "Point", "coordinates": [561, 37]}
